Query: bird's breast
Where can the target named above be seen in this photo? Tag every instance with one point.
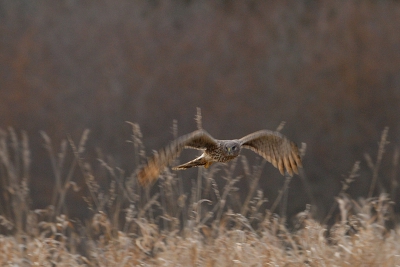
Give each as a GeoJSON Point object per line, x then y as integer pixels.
{"type": "Point", "coordinates": [218, 155]}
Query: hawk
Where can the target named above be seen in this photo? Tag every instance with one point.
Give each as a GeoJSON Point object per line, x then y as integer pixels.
{"type": "Point", "coordinates": [273, 146]}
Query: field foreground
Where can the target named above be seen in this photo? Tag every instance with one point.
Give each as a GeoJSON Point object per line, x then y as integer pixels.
{"type": "Point", "coordinates": [131, 226]}
{"type": "Point", "coordinates": [370, 245]}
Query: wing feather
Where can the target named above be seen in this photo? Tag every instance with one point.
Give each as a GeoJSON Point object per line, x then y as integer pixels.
{"type": "Point", "coordinates": [199, 139]}
{"type": "Point", "coordinates": [275, 148]}
{"type": "Point", "coordinates": [275, 155]}
{"type": "Point", "coordinates": [281, 167]}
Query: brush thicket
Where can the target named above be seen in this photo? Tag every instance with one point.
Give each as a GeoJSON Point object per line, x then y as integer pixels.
{"type": "Point", "coordinates": [166, 225]}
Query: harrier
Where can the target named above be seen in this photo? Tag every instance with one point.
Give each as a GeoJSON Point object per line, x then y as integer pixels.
{"type": "Point", "coordinates": [272, 146]}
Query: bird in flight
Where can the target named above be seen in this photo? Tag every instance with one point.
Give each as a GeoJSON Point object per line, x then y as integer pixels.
{"type": "Point", "coordinates": [273, 146]}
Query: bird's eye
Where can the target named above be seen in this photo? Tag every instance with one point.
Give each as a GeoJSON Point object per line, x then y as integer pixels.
{"type": "Point", "coordinates": [234, 148]}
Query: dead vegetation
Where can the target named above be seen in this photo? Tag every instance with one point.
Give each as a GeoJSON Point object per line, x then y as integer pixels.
{"type": "Point", "coordinates": [167, 226]}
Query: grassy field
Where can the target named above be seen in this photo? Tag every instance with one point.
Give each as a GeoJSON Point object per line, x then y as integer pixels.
{"type": "Point", "coordinates": [166, 226]}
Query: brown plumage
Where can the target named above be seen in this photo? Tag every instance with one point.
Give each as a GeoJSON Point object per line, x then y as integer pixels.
{"type": "Point", "coordinates": [273, 146]}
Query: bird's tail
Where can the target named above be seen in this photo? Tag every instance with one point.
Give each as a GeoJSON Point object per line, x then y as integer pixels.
{"type": "Point", "coordinates": [197, 162]}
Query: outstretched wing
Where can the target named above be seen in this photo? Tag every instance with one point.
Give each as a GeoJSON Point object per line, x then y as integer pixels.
{"type": "Point", "coordinates": [275, 148]}
{"type": "Point", "coordinates": [199, 139]}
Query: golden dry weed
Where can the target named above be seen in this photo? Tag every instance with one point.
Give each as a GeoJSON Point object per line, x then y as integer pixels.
{"type": "Point", "coordinates": [170, 227]}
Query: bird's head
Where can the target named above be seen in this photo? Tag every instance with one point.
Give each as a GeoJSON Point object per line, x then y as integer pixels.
{"type": "Point", "coordinates": [232, 148]}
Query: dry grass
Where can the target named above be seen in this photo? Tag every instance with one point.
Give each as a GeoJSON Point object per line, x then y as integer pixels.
{"type": "Point", "coordinates": [167, 226]}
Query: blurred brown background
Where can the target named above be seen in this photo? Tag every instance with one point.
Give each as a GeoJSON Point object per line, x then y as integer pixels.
{"type": "Point", "coordinates": [330, 69]}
